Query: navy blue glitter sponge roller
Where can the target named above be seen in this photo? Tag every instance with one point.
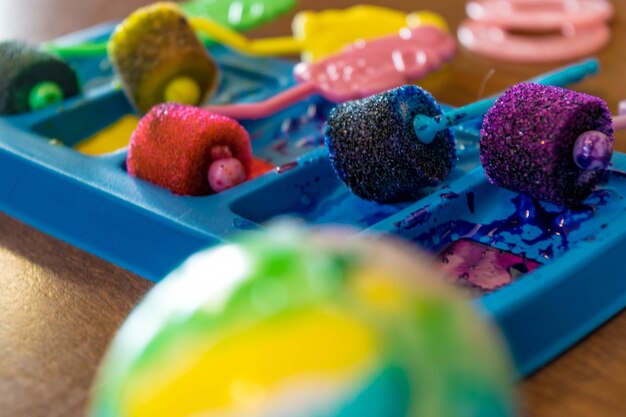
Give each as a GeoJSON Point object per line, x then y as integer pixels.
{"type": "Point", "coordinates": [374, 150]}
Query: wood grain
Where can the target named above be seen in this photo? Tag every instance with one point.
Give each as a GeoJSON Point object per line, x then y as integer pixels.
{"type": "Point", "coordinates": [60, 306]}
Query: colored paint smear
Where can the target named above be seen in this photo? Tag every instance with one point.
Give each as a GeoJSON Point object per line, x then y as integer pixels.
{"type": "Point", "coordinates": [259, 167]}
{"type": "Point", "coordinates": [482, 257]}
{"type": "Point", "coordinates": [542, 231]}
{"type": "Point", "coordinates": [286, 167]}
{"type": "Point", "coordinates": [112, 138]}
{"type": "Point", "coordinates": [481, 268]}
{"type": "Point", "coordinates": [284, 139]}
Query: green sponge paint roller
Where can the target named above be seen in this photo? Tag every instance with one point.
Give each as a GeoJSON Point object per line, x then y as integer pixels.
{"type": "Point", "coordinates": [32, 79]}
{"type": "Point", "coordinates": [159, 58]}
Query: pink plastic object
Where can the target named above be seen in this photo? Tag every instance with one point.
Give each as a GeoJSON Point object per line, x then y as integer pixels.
{"type": "Point", "coordinates": [539, 14]}
{"type": "Point", "coordinates": [579, 28]}
{"type": "Point", "coordinates": [622, 108]}
{"type": "Point", "coordinates": [360, 70]}
{"type": "Point", "coordinates": [498, 43]}
{"type": "Point", "coordinates": [225, 173]}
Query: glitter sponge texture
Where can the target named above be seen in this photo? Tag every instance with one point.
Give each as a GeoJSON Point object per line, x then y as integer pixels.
{"type": "Point", "coordinates": [174, 146]}
{"type": "Point", "coordinates": [375, 152]}
{"type": "Point", "coordinates": [22, 67]}
{"type": "Point", "coordinates": [291, 324]}
{"type": "Point", "coordinates": [153, 47]}
{"type": "Point", "coordinates": [528, 137]}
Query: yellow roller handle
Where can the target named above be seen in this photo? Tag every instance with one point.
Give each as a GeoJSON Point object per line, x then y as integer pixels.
{"type": "Point", "coordinates": [274, 46]}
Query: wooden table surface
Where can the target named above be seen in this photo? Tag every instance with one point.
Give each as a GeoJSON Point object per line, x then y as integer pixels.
{"type": "Point", "coordinates": [59, 306]}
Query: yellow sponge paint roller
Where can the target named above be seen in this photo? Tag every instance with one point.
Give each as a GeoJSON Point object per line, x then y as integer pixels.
{"type": "Point", "coordinates": [159, 58]}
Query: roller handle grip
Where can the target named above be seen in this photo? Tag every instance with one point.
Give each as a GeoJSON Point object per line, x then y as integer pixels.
{"type": "Point", "coordinates": [426, 128]}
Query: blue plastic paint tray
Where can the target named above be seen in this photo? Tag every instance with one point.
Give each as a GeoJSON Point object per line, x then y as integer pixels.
{"type": "Point", "coordinates": [555, 269]}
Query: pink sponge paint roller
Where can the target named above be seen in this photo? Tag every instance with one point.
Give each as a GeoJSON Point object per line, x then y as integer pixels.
{"type": "Point", "coordinates": [360, 70]}
{"type": "Point", "coordinates": [189, 151]}
{"type": "Point", "coordinates": [389, 146]}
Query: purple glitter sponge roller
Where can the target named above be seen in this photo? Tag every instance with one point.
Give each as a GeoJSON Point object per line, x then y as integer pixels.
{"type": "Point", "coordinates": [375, 152]}
{"type": "Point", "coordinates": [528, 139]}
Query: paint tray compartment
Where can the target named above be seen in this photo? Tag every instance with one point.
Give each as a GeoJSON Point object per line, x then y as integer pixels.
{"type": "Point", "coordinates": [548, 275]}
{"type": "Point", "coordinates": [544, 274]}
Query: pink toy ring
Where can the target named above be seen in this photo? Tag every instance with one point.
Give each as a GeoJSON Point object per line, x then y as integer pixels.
{"type": "Point", "coordinates": [539, 14]}
{"type": "Point", "coordinates": [497, 43]}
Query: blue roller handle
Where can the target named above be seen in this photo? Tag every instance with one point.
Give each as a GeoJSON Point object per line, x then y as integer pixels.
{"type": "Point", "coordinates": [426, 128]}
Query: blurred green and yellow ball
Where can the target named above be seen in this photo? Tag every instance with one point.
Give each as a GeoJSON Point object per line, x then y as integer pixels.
{"type": "Point", "coordinates": [290, 323]}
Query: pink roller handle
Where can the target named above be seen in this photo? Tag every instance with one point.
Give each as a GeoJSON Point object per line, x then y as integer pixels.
{"type": "Point", "coordinates": [593, 149]}
{"type": "Point", "coordinates": [267, 107]}
{"type": "Point", "coordinates": [366, 68]}
{"type": "Point", "coordinates": [360, 70]}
